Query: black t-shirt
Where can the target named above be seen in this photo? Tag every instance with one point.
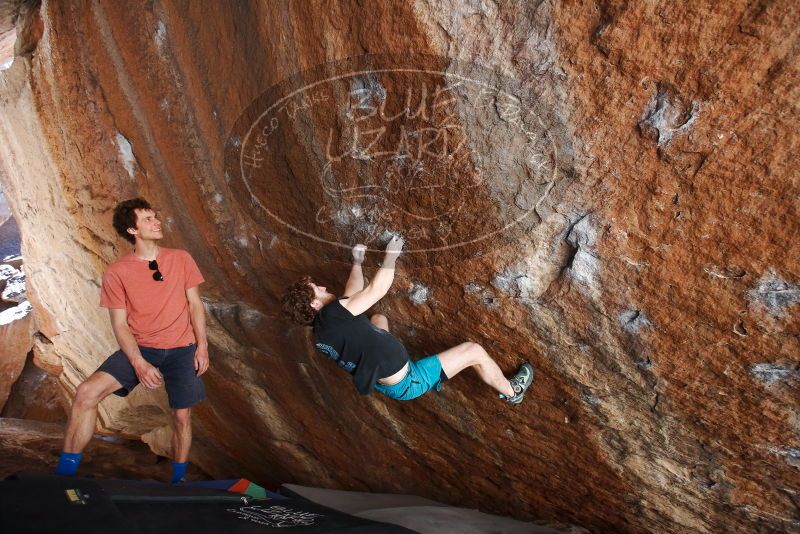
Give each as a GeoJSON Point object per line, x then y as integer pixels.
{"type": "Point", "coordinates": [358, 346]}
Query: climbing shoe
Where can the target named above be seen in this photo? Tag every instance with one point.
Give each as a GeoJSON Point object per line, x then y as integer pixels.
{"type": "Point", "coordinates": [520, 382]}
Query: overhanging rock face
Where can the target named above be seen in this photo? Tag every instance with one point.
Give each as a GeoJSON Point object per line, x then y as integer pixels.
{"type": "Point", "coordinates": [607, 191]}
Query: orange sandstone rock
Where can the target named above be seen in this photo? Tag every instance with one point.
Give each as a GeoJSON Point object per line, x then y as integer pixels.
{"type": "Point", "coordinates": [652, 281]}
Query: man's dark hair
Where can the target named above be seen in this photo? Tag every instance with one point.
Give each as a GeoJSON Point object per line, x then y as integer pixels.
{"type": "Point", "coordinates": [296, 302]}
{"type": "Point", "coordinates": [125, 216]}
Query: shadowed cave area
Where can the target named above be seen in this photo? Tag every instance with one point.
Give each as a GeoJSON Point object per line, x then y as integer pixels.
{"type": "Point", "coordinates": [607, 190]}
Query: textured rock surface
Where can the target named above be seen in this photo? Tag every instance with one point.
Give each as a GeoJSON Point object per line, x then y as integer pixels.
{"type": "Point", "coordinates": [33, 447]}
{"type": "Point", "coordinates": [17, 327]}
{"type": "Point", "coordinates": [655, 288]}
{"type": "Point", "coordinates": [8, 36]}
{"type": "Point", "coordinates": [36, 396]}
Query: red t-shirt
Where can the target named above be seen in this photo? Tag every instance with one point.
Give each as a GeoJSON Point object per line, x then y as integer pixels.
{"type": "Point", "coordinates": [158, 312]}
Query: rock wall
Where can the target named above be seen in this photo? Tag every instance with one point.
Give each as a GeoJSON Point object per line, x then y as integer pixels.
{"type": "Point", "coordinates": [16, 339]}
{"type": "Point", "coordinates": [36, 396]}
{"type": "Point", "coordinates": [17, 326]}
{"type": "Point", "coordinates": [648, 165]}
{"type": "Point", "coordinates": [27, 443]}
{"type": "Point", "coordinates": [8, 13]}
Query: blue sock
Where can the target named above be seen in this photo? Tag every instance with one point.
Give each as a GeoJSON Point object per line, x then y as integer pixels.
{"type": "Point", "coordinates": [68, 463]}
{"type": "Point", "coordinates": [178, 471]}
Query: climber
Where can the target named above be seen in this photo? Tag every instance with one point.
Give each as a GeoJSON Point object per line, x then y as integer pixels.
{"type": "Point", "coordinates": [374, 357]}
{"type": "Point", "coordinates": [159, 322]}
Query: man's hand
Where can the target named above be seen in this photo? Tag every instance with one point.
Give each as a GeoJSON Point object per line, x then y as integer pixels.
{"type": "Point", "coordinates": [355, 282]}
{"type": "Point", "coordinates": [148, 375]}
{"type": "Point", "coordinates": [201, 360]}
{"type": "Point", "coordinates": [358, 253]}
{"type": "Point", "coordinates": [394, 248]}
{"type": "Point", "coordinates": [362, 300]}
{"type": "Point", "coordinates": [395, 244]}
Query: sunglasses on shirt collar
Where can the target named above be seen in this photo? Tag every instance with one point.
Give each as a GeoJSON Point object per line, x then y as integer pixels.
{"type": "Point", "coordinates": [157, 276]}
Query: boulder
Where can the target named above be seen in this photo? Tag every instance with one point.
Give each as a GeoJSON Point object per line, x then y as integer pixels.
{"type": "Point", "coordinates": [36, 396]}
{"type": "Point", "coordinates": [607, 190]}
{"type": "Point", "coordinates": [17, 327]}
{"type": "Point", "coordinates": [33, 447]}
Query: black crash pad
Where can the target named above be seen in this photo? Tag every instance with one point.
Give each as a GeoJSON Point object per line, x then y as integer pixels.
{"type": "Point", "coordinates": [87, 506]}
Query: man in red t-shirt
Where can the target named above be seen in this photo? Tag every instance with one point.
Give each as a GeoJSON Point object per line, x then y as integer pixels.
{"type": "Point", "coordinates": [159, 322]}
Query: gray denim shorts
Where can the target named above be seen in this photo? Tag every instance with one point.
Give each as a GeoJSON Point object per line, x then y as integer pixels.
{"type": "Point", "coordinates": [184, 387]}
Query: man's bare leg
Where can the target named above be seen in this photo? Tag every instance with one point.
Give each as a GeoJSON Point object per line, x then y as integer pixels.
{"type": "Point", "coordinates": [471, 354]}
{"type": "Point", "coordinates": [181, 434]}
{"type": "Point", "coordinates": [82, 420]}
{"type": "Point", "coordinates": [83, 415]}
{"type": "Point", "coordinates": [465, 355]}
{"type": "Point", "coordinates": [181, 442]}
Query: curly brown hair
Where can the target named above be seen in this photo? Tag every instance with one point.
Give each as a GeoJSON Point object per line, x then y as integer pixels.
{"type": "Point", "coordinates": [296, 302]}
{"type": "Point", "coordinates": [125, 216]}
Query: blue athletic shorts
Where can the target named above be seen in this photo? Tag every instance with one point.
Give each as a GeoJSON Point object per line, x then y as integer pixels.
{"type": "Point", "coordinates": [422, 376]}
{"type": "Point", "coordinates": [184, 387]}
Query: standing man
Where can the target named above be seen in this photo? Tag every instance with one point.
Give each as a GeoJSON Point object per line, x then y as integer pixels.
{"type": "Point", "coordinates": [375, 358]}
{"type": "Point", "coordinates": [159, 322]}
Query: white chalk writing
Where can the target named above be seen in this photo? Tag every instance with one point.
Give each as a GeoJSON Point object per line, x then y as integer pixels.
{"type": "Point", "coordinates": [275, 516]}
